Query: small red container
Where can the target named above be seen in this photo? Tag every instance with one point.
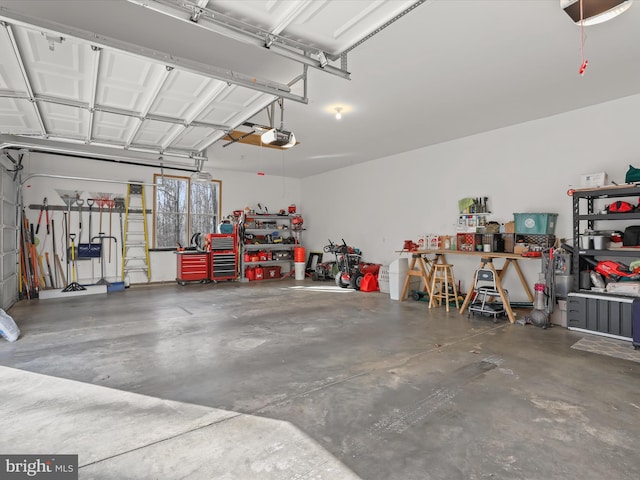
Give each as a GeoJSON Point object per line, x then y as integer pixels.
{"type": "Point", "coordinates": [250, 273]}
{"type": "Point", "coordinates": [259, 273]}
{"type": "Point", "coordinates": [299, 254]}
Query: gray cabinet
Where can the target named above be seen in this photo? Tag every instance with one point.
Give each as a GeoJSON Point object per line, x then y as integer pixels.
{"type": "Point", "coordinates": [603, 314]}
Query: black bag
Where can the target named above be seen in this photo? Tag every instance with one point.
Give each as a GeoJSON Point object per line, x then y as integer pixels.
{"type": "Point", "coordinates": [633, 175]}
{"type": "Point", "coordinates": [631, 237]}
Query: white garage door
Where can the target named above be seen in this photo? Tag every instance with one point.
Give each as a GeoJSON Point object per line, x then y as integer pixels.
{"type": "Point", "coordinates": [8, 248]}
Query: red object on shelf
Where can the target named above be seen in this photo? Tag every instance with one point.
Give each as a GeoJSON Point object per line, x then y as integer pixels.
{"type": "Point", "coordinates": [468, 241]}
{"type": "Point", "coordinates": [297, 221]}
{"type": "Point", "coordinates": [259, 273]}
{"type": "Point", "coordinates": [250, 273]}
{"type": "Point", "coordinates": [299, 254]}
{"type": "Point", "coordinates": [273, 271]}
{"type": "Point", "coordinates": [410, 246]}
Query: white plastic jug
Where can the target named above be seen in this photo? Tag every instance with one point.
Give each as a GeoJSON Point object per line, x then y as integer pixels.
{"type": "Point", "coordinates": [8, 328]}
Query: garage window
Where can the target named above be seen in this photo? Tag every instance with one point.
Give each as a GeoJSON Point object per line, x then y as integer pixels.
{"type": "Point", "coordinates": [182, 208]}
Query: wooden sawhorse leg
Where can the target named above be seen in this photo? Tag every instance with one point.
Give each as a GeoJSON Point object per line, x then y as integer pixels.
{"type": "Point", "coordinates": [422, 272]}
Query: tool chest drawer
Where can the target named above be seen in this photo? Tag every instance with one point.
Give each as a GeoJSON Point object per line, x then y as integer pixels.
{"type": "Point", "coordinates": [192, 266]}
{"type": "Point", "coordinates": [223, 266]}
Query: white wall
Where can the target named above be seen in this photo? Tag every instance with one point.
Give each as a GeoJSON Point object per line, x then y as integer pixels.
{"type": "Point", "coordinates": [238, 190]}
{"type": "Point", "coordinates": [524, 168]}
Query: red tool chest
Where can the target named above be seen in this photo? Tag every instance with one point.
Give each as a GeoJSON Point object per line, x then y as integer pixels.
{"type": "Point", "coordinates": [223, 256]}
{"type": "Point", "coordinates": [192, 267]}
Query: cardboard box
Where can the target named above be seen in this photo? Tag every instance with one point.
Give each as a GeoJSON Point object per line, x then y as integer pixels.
{"type": "Point", "coordinates": [510, 227]}
{"type": "Point", "coordinates": [520, 248]}
{"type": "Point", "coordinates": [593, 179]}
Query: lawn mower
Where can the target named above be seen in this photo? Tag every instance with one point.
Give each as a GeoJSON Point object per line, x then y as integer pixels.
{"type": "Point", "coordinates": [325, 271]}
{"type": "Point", "coordinates": [351, 270]}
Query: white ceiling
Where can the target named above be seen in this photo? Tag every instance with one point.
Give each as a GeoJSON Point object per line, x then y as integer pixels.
{"type": "Point", "coordinates": [448, 69]}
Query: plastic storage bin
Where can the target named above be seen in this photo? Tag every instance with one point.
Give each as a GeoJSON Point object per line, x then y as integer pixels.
{"type": "Point", "coordinates": [397, 274]}
{"type": "Point", "coordinates": [535, 223]}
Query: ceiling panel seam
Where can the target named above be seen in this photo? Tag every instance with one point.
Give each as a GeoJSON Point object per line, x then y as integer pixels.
{"type": "Point", "coordinates": [214, 93]}
{"type": "Point", "coordinates": [152, 98]}
{"type": "Point", "coordinates": [120, 111]}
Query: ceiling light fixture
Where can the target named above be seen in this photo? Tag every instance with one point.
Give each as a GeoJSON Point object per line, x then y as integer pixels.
{"type": "Point", "coordinates": [338, 113]}
{"type": "Point", "coordinates": [199, 176]}
{"type": "Point", "coordinates": [592, 12]}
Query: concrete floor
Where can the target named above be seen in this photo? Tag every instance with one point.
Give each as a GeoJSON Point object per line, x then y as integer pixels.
{"type": "Point", "coordinates": [391, 389]}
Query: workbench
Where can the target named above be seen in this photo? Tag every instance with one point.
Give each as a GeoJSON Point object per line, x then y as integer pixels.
{"type": "Point", "coordinates": [420, 258]}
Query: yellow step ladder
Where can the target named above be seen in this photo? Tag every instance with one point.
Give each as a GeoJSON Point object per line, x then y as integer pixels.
{"type": "Point", "coordinates": [135, 241]}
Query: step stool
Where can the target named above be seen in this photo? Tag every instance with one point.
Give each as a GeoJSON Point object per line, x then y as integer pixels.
{"type": "Point", "coordinates": [441, 281]}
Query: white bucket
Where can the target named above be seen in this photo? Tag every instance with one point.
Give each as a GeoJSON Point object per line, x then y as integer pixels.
{"type": "Point", "coordinates": [299, 270]}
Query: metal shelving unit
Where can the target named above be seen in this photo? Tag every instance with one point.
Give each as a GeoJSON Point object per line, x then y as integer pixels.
{"type": "Point", "coordinates": [283, 225]}
{"type": "Point", "coordinates": [584, 211]}
{"type": "Point", "coordinates": [600, 313]}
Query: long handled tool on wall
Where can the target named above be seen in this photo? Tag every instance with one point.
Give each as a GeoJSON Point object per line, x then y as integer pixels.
{"type": "Point", "coordinates": [80, 203]}
{"type": "Point", "coordinates": [43, 208]}
{"type": "Point", "coordinates": [56, 259]}
{"type": "Point", "coordinates": [27, 278]}
{"type": "Point", "coordinates": [74, 286]}
{"type": "Point", "coordinates": [110, 203]}
{"type": "Point", "coordinates": [54, 280]}
{"type": "Point", "coordinates": [65, 225]}
{"type": "Point", "coordinates": [90, 202]}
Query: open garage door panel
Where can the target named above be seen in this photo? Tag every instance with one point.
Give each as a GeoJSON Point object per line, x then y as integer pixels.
{"type": "Point", "coordinates": [103, 87]}
{"type": "Point", "coordinates": [58, 87]}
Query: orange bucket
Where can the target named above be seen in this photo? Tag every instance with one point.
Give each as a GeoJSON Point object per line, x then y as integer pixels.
{"type": "Point", "coordinates": [299, 254]}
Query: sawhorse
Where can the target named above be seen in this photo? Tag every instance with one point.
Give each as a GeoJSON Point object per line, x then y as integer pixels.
{"type": "Point", "coordinates": [424, 272]}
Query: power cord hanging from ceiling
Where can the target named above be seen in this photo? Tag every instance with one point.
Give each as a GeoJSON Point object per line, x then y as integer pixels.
{"type": "Point", "coordinates": [284, 186]}
{"type": "Point", "coordinates": [583, 65]}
